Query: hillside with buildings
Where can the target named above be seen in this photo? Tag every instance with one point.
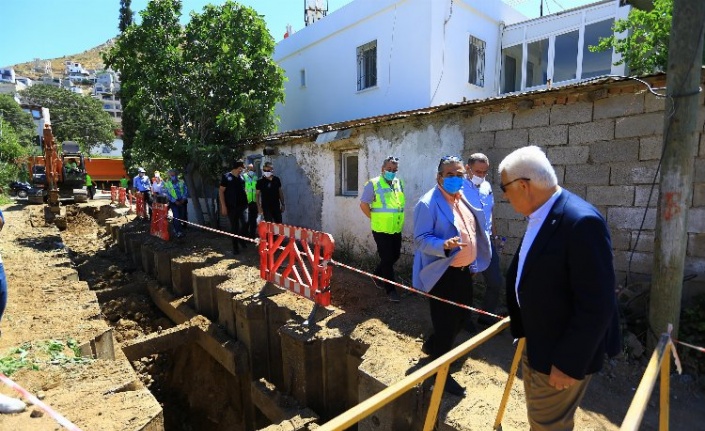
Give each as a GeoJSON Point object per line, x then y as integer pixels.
{"type": "Point", "coordinates": [90, 59]}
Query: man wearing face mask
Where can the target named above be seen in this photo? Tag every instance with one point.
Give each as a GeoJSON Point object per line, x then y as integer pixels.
{"type": "Point", "coordinates": [450, 248]}
{"type": "Point", "coordinates": [479, 193]}
{"type": "Point", "coordinates": [382, 201]}
{"type": "Point", "coordinates": [177, 193]}
{"type": "Point", "coordinates": [269, 194]}
{"type": "Point", "coordinates": [233, 202]}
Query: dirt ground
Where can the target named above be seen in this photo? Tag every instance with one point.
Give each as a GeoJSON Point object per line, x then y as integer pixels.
{"type": "Point", "coordinates": [42, 306]}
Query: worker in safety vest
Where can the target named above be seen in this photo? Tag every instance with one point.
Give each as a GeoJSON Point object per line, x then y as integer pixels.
{"type": "Point", "coordinates": [383, 202]}
{"type": "Point", "coordinates": [250, 178]}
{"type": "Point", "coordinates": [89, 186]}
{"type": "Point", "coordinates": [177, 193]}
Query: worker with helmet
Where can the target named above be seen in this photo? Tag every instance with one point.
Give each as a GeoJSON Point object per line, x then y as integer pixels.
{"type": "Point", "coordinates": [177, 193]}
{"type": "Point", "coordinates": [142, 185]}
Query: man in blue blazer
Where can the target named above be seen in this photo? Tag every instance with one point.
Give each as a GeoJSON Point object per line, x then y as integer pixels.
{"type": "Point", "coordinates": [451, 246]}
{"type": "Point", "coordinates": [560, 289]}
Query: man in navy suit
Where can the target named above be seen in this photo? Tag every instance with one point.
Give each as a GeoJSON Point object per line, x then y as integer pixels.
{"type": "Point", "coordinates": [560, 289]}
{"type": "Point", "coordinates": [451, 246]}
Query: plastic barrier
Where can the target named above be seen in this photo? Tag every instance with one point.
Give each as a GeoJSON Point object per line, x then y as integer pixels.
{"type": "Point", "coordinates": [121, 196]}
{"type": "Point", "coordinates": [308, 276]}
{"type": "Point", "coordinates": [113, 194]}
{"type": "Point", "coordinates": [140, 206]}
{"type": "Point", "coordinates": [160, 224]}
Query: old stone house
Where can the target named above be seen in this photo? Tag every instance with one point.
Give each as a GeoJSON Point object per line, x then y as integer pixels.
{"type": "Point", "coordinates": [604, 138]}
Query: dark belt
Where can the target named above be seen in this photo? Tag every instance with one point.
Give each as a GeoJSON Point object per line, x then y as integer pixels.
{"type": "Point", "coordinates": [465, 268]}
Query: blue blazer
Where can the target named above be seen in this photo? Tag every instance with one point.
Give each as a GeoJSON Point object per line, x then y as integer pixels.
{"type": "Point", "coordinates": [568, 306]}
{"type": "Point", "coordinates": [434, 223]}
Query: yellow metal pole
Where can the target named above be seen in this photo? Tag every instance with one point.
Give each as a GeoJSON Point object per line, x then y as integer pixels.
{"type": "Point", "coordinates": [636, 410]}
{"type": "Point", "coordinates": [436, 397]}
{"type": "Point", "coordinates": [664, 407]}
{"type": "Point", "coordinates": [510, 381]}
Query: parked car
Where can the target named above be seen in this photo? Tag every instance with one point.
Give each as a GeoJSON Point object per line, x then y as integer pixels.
{"type": "Point", "coordinates": [21, 189]}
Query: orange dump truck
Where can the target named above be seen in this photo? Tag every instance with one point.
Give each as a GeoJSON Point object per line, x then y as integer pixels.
{"type": "Point", "coordinates": [104, 172]}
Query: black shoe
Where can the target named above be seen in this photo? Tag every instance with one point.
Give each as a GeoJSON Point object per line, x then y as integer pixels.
{"type": "Point", "coordinates": [453, 387]}
{"type": "Point", "coordinates": [393, 296]}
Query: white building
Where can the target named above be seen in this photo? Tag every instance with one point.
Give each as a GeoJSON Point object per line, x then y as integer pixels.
{"type": "Point", "coordinates": [373, 58]}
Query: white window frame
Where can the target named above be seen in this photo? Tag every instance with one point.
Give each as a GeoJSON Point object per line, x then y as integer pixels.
{"type": "Point", "coordinates": [344, 187]}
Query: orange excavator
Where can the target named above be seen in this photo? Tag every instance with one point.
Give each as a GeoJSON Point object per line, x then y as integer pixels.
{"type": "Point", "coordinates": [64, 173]}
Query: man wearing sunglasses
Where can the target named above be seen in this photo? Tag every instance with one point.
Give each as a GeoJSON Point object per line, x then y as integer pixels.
{"type": "Point", "coordinates": [560, 289]}
{"type": "Point", "coordinates": [451, 246]}
{"type": "Point", "coordinates": [382, 201]}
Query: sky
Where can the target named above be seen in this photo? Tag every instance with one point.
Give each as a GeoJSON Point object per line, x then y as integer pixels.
{"type": "Point", "coordinates": [49, 29]}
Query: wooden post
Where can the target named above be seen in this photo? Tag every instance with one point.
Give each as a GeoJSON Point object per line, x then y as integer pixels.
{"type": "Point", "coordinates": [680, 145]}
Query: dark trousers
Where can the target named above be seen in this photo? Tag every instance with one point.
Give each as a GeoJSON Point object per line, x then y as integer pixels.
{"type": "Point", "coordinates": [273, 215]}
{"type": "Point", "coordinates": [389, 250]}
{"type": "Point", "coordinates": [178, 211]}
{"type": "Point", "coordinates": [148, 203]}
{"type": "Point", "coordinates": [252, 219]}
{"type": "Point", "coordinates": [91, 191]}
{"type": "Point", "coordinates": [493, 285]}
{"type": "Point", "coordinates": [454, 285]}
{"type": "Point", "coordinates": [238, 226]}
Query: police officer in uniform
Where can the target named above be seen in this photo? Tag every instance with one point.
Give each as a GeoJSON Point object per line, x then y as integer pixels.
{"type": "Point", "coordinates": [382, 201]}
{"type": "Point", "coordinates": [233, 202]}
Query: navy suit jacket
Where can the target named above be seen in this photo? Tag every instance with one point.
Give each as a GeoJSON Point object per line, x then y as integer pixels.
{"type": "Point", "coordinates": [568, 311]}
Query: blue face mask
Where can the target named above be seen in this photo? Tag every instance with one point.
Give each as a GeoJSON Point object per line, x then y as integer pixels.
{"type": "Point", "coordinates": [173, 177]}
{"type": "Point", "coordinates": [452, 184]}
{"type": "Point", "coordinates": [389, 175]}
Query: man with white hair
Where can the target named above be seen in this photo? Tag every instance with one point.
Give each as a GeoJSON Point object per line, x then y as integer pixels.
{"type": "Point", "coordinates": [560, 289]}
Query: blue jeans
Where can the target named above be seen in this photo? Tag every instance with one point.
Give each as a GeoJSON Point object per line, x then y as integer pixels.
{"type": "Point", "coordinates": [179, 211]}
{"type": "Point", "coordinates": [3, 290]}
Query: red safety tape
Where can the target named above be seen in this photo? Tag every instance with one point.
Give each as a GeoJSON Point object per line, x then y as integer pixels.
{"type": "Point", "coordinates": [37, 402]}
{"type": "Point", "coordinates": [342, 265]}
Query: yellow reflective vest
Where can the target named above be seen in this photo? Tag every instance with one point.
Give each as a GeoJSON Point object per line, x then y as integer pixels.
{"type": "Point", "coordinates": [250, 187]}
{"type": "Point", "coordinates": [387, 208]}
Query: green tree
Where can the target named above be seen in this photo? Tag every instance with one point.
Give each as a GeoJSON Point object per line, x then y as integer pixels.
{"type": "Point", "coordinates": [645, 48]}
{"type": "Point", "coordinates": [12, 154]}
{"type": "Point", "coordinates": [200, 89]}
{"type": "Point", "coordinates": [126, 15]}
{"type": "Point", "coordinates": [11, 114]}
{"type": "Point", "coordinates": [73, 117]}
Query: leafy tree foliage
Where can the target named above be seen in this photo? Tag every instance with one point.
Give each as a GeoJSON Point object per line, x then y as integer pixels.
{"type": "Point", "coordinates": [198, 90]}
{"type": "Point", "coordinates": [19, 121]}
{"type": "Point", "coordinates": [73, 117]}
{"type": "Point", "coordinates": [12, 153]}
{"type": "Point", "coordinates": [126, 15]}
{"type": "Point", "coordinates": [645, 48]}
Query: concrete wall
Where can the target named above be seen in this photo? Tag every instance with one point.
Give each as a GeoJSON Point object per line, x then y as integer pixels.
{"type": "Point", "coordinates": [422, 60]}
{"type": "Point", "coordinates": [604, 140]}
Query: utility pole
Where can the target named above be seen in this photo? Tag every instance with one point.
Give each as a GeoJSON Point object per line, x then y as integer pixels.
{"type": "Point", "coordinates": [680, 146]}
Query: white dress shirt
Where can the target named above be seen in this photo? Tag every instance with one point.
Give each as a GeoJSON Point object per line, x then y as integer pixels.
{"type": "Point", "coordinates": [535, 220]}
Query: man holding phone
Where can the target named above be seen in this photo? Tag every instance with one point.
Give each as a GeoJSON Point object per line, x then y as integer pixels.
{"type": "Point", "coordinates": [450, 247]}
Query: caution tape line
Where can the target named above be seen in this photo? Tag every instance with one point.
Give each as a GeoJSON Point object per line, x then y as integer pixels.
{"type": "Point", "coordinates": [37, 402]}
{"type": "Point", "coordinates": [417, 291]}
{"type": "Point", "coordinates": [359, 271]}
{"type": "Point", "coordinates": [692, 346]}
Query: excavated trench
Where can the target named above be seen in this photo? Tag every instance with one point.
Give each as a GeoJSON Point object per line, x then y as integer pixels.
{"type": "Point", "coordinates": [214, 357]}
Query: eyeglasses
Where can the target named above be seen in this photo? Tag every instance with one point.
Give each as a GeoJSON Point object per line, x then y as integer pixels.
{"type": "Point", "coordinates": [392, 159]}
{"type": "Point", "coordinates": [503, 187]}
{"type": "Point", "coordinates": [267, 170]}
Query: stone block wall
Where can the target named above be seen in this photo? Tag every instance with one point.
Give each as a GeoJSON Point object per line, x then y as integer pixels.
{"type": "Point", "coordinates": [606, 145]}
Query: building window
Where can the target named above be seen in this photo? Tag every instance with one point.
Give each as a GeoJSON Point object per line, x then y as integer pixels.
{"type": "Point", "coordinates": [565, 62]}
{"type": "Point", "coordinates": [512, 58]}
{"type": "Point", "coordinates": [537, 63]}
{"type": "Point", "coordinates": [597, 63]}
{"type": "Point", "coordinates": [476, 62]}
{"type": "Point", "coordinates": [302, 77]}
{"type": "Point", "coordinates": [349, 170]}
{"type": "Point", "coordinates": [367, 65]}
